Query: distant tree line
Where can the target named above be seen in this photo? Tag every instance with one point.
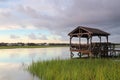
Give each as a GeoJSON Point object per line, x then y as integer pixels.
{"type": "Point", "coordinates": [33, 44]}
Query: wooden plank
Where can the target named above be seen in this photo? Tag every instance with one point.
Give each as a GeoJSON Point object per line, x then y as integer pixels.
{"type": "Point", "coordinates": [81, 51]}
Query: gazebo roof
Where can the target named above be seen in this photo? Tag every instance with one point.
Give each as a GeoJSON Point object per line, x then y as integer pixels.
{"type": "Point", "coordinates": [86, 30]}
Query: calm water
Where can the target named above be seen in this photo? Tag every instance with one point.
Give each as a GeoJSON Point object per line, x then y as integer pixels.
{"type": "Point", "coordinates": [13, 61]}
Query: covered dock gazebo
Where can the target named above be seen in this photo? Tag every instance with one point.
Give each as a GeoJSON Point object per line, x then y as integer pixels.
{"type": "Point", "coordinates": [92, 49]}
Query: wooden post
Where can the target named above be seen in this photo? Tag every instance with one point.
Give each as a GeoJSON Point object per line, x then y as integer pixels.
{"type": "Point", "coordinates": [110, 50]}
{"type": "Point", "coordinates": [100, 46]}
{"type": "Point", "coordinates": [91, 46]}
{"type": "Point", "coordinates": [107, 39]}
{"type": "Point", "coordinates": [100, 39]}
{"type": "Point", "coordinates": [87, 41]}
{"type": "Point", "coordinates": [71, 54]}
{"type": "Point", "coordinates": [79, 54]}
{"type": "Point", "coordinates": [70, 42]}
{"type": "Point", "coordinates": [79, 42]}
{"type": "Point", "coordinates": [79, 38]}
{"type": "Point", "coordinates": [114, 50]}
{"type": "Point", "coordinates": [107, 45]}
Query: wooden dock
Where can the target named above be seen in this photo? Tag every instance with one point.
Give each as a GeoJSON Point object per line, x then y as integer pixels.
{"type": "Point", "coordinates": [98, 50]}
{"type": "Point", "coordinates": [90, 48]}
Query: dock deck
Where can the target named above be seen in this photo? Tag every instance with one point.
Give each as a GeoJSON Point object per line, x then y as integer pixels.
{"type": "Point", "coordinates": [103, 49]}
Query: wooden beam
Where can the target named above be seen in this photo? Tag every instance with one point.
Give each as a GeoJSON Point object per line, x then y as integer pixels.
{"type": "Point", "coordinates": [79, 34]}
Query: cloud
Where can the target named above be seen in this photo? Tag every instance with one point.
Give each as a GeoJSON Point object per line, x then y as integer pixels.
{"type": "Point", "coordinates": [39, 36]}
{"type": "Point", "coordinates": [3, 0]}
{"type": "Point", "coordinates": [42, 37]}
{"type": "Point", "coordinates": [5, 13]}
{"type": "Point", "coordinates": [61, 16]}
{"type": "Point", "coordinates": [12, 36]}
{"type": "Point", "coordinates": [54, 37]}
{"type": "Point", "coordinates": [32, 36]}
{"type": "Point", "coordinates": [27, 10]}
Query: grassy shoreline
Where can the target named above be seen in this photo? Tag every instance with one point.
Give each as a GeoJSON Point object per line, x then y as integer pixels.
{"type": "Point", "coordinates": [78, 69]}
{"type": "Point", "coordinates": [13, 47]}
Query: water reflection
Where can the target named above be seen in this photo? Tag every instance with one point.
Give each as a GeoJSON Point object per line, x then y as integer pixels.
{"type": "Point", "coordinates": [12, 60]}
{"type": "Point", "coordinates": [10, 71]}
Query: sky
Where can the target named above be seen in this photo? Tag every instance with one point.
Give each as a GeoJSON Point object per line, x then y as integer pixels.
{"type": "Point", "coordinates": [51, 20]}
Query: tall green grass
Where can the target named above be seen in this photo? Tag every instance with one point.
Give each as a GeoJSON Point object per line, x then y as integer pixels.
{"type": "Point", "coordinates": [76, 69]}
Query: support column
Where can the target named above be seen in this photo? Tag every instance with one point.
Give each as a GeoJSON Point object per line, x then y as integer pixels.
{"type": "Point", "coordinates": [90, 46]}
{"type": "Point", "coordinates": [79, 41]}
{"type": "Point", "coordinates": [100, 46]}
{"type": "Point", "coordinates": [87, 41]}
{"type": "Point", "coordinates": [107, 45]}
{"type": "Point", "coordinates": [79, 53]}
{"type": "Point", "coordinates": [70, 42]}
{"type": "Point", "coordinates": [107, 39]}
{"type": "Point", "coordinates": [100, 38]}
{"type": "Point", "coordinates": [79, 35]}
{"type": "Point", "coordinates": [71, 54]}
{"type": "Point", "coordinates": [110, 50]}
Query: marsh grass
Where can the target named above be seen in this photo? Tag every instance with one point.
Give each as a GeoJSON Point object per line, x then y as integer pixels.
{"type": "Point", "coordinates": [76, 69]}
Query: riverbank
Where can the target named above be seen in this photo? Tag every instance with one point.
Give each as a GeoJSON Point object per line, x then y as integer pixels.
{"type": "Point", "coordinates": [77, 69]}
{"type": "Point", "coordinates": [13, 47]}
